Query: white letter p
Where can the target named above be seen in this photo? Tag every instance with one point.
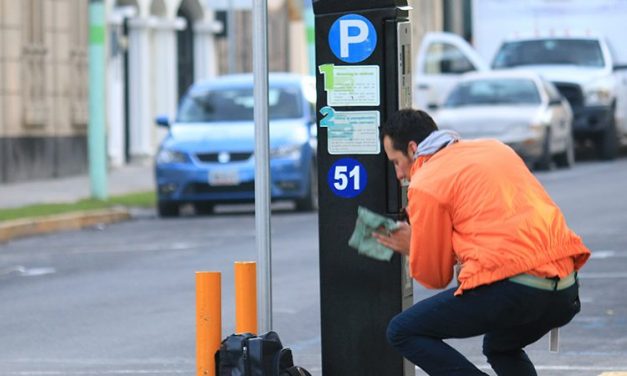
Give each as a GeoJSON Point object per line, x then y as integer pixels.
{"type": "Point", "coordinates": [346, 40]}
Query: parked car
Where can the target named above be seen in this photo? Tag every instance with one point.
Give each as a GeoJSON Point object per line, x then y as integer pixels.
{"type": "Point", "coordinates": [208, 155]}
{"type": "Point", "coordinates": [517, 107]}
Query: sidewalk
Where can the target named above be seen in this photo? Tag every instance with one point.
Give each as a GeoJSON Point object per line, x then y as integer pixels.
{"type": "Point", "coordinates": [121, 180]}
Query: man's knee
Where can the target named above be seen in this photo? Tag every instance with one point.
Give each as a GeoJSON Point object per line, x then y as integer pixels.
{"type": "Point", "coordinates": [491, 350]}
{"type": "Point", "coordinates": [395, 333]}
{"type": "Point", "coordinates": [496, 354]}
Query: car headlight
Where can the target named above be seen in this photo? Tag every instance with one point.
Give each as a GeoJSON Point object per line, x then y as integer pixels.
{"type": "Point", "coordinates": [598, 95]}
{"type": "Point", "coordinates": [171, 156]}
{"type": "Point", "coordinates": [286, 151]}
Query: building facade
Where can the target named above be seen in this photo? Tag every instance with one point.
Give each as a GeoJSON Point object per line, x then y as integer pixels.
{"type": "Point", "coordinates": [43, 88]}
{"type": "Point", "coordinates": [154, 50]}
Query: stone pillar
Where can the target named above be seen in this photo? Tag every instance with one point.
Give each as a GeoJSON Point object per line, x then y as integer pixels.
{"type": "Point", "coordinates": [165, 76]}
{"type": "Point", "coordinates": [205, 60]}
{"type": "Point", "coordinates": [140, 88]}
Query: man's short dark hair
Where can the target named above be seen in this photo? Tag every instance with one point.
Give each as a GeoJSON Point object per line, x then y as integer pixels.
{"type": "Point", "coordinates": [408, 125]}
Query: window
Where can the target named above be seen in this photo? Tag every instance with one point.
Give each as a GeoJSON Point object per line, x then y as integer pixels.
{"type": "Point", "coordinates": [78, 86]}
{"type": "Point", "coordinates": [582, 52]}
{"type": "Point", "coordinates": [33, 60]}
{"type": "Point", "coordinates": [33, 21]}
{"type": "Point", "coordinates": [445, 58]}
{"type": "Point", "coordinates": [238, 104]}
{"type": "Point", "coordinates": [494, 92]}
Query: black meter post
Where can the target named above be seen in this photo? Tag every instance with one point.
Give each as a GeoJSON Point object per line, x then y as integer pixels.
{"type": "Point", "coordinates": [362, 76]}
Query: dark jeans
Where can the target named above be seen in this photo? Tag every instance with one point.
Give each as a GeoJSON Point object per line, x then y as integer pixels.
{"type": "Point", "coordinates": [510, 315]}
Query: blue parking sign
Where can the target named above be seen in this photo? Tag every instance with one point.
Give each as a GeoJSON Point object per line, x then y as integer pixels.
{"type": "Point", "coordinates": [347, 178]}
{"type": "Point", "coordinates": [352, 38]}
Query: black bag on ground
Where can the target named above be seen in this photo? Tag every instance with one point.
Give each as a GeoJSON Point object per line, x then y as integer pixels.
{"type": "Point", "coordinates": [250, 355]}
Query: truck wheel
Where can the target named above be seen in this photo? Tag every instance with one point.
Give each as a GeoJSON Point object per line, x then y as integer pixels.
{"type": "Point", "coordinates": [566, 158]}
{"type": "Point", "coordinates": [310, 201]}
{"type": "Point", "coordinates": [607, 143]}
{"type": "Point", "coordinates": [167, 209]}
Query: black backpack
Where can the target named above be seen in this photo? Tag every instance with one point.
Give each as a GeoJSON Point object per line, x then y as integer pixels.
{"type": "Point", "coordinates": [250, 355]}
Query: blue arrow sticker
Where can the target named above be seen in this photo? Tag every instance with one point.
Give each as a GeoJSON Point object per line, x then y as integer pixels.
{"type": "Point", "coordinates": [347, 178]}
{"type": "Point", "coordinates": [352, 38]}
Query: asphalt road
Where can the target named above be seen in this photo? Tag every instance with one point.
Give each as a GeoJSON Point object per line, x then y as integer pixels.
{"type": "Point", "coordinates": [120, 299]}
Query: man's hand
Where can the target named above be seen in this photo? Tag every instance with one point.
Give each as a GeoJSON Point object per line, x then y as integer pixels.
{"type": "Point", "coordinates": [398, 240]}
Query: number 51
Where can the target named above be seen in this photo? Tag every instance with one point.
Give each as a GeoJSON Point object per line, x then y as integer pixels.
{"type": "Point", "coordinates": [342, 177]}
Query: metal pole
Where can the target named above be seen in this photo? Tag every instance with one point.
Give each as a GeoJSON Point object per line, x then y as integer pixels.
{"type": "Point", "coordinates": [96, 134]}
{"type": "Point", "coordinates": [262, 163]}
{"type": "Point", "coordinates": [230, 35]}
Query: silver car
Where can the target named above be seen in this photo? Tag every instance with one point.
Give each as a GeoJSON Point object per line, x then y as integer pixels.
{"type": "Point", "coordinates": [519, 108]}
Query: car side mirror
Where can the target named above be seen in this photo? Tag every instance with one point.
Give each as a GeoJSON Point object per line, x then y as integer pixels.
{"type": "Point", "coordinates": [162, 121]}
{"type": "Point", "coordinates": [555, 102]}
{"type": "Point", "coordinates": [313, 137]}
{"type": "Point", "coordinates": [313, 130]}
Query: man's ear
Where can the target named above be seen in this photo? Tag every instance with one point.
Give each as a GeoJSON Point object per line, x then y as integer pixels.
{"type": "Point", "coordinates": [412, 146]}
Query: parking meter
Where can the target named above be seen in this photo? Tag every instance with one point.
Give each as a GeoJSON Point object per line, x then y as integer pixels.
{"type": "Point", "coordinates": [362, 76]}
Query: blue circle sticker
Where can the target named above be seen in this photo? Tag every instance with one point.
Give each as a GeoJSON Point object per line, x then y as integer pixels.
{"type": "Point", "coordinates": [352, 38]}
{"type": "Point", "coordinates": [347, 178]}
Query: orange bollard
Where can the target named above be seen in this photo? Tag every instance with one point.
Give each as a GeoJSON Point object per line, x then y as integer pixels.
{"type": "Point", "coordinates": [208, 321]}
{"type": "Point", "coordinates": [246, 297]}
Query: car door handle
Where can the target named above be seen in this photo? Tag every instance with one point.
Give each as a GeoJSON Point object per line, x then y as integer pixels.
{"type": "Point", "coordinates": [423, 87]}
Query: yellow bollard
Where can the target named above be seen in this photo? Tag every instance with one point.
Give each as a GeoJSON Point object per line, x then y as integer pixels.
{"type": "Point", "coordinates": [208, 321]}
{"type": "Point", "coordinates": [246, 297]}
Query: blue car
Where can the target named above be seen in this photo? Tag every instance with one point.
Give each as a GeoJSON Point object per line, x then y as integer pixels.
{"type": "Point", "coordinates": [208, 155]}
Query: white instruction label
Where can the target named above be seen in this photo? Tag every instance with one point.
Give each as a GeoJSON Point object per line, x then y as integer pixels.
{"type": "Point", "coordinates": [351, 85]}
{"type": "Point", "coordinates": [351, 132]}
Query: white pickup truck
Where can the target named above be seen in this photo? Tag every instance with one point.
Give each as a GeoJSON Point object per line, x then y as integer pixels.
{"type": "Point", "coordinates": [577, 45]}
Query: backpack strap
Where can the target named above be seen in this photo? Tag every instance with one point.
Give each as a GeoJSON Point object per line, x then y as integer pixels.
{"type": "Point", "coordinates": [282, 361]}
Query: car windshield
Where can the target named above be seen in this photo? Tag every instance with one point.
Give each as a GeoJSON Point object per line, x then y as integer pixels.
{"type": "Point", "coordinates": [236, 104]}
{"type": "Point", "coordinates": [582, 52]}
{"type": "Point", "coordinates": [494, 91]}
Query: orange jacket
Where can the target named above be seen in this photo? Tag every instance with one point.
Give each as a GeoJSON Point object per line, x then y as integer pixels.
{"type": "Point", "coordinates": [477, 202]}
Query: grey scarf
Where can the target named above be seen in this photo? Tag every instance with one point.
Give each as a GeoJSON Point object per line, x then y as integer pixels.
{"type": "Point", "coordinates": [436, 141]}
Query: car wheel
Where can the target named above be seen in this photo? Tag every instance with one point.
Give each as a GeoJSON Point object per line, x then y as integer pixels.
{"type": "Point", "coordinates": [310, 201]}
{"type": "Point", "coordinates": [544, 163]}
{"type": "Point", "coordinates": [607, 143]}
{"type": "Point", "coordinates": [167, 209]}
{"type": "Point", "coordinates": [566, 158]}
{"type": "Point", "coordinates": [204, 208]}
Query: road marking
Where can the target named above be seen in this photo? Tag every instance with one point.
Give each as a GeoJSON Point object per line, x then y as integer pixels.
{"type": "Point", "coordinates": [36, 272]}
{"type": "Point", "coordinates": [602, 254]}
{"type": "Point", "coordinates": [18, 269]}
{"type": "Point", "coordinates": [22, 271]}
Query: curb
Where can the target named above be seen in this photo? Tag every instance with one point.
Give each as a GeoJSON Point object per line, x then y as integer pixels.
{"type": "Point", "coordinates": [62, 222]}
